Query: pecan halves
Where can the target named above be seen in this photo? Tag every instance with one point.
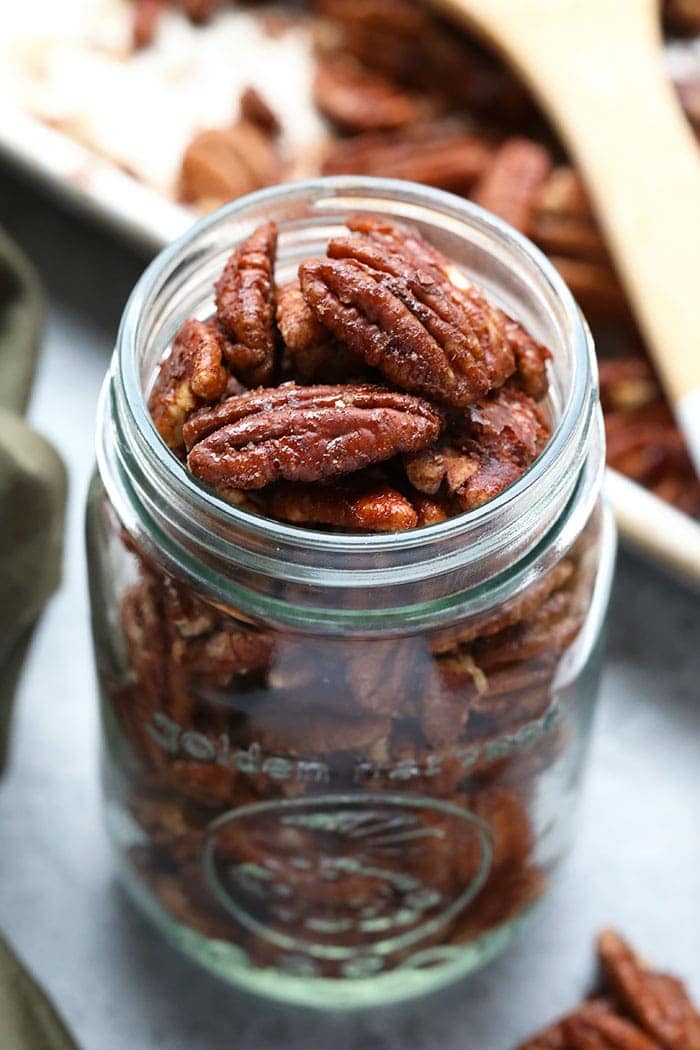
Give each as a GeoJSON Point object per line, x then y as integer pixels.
{"type": "Point", "coordinates": [313, 355]}
{"type": "Point", "coordinates": [502, 338]}
{"type": "Point", "coordinates": [404, 324]}
{"type": "Point", "coordinates": [356, 99]}
{"type": "Point", "coordinates": [191, 375]}
{"type": "Point", "coordinates": [500, 437]}
{"type": "Point", "coordinates": [311, 434]}
{"type": "Point", "coordinates": [245, 303]}
{"type": "Point", "coordinates": [657, 1002]}
{"type": "Point", "coordinates": [221, 164]}
{"type": "Point", "coordinates": [372, 507]}
{"type": "Point", "coordinates": [593, 1026]}
{"type": "Point", "coordinates": [510, 185]}
{"type": "Point", "coordinates": [450, 158]}
{"type": "Point", "coordinates": [256, 110]}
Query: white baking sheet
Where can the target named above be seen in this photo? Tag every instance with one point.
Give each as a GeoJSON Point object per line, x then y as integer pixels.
{"type": "Point", "coordinates": [79, 109]}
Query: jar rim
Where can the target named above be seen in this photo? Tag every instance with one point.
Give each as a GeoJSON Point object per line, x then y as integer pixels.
{"type": "Point", "coordinates": [415, 548]}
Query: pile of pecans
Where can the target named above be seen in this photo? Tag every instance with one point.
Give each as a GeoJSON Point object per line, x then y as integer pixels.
{"type": "Point", "coordinates": [394, 394]}
{"type": "Point", "coordinates": [638, 1009]}
{"type": "Point", "coordinates": [381, 361]}
{"type": "Point", "coordinates": [410, 96]}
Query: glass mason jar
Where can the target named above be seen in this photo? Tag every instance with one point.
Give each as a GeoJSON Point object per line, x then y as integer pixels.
{"type": "Point", "coordinates": [340, 769]}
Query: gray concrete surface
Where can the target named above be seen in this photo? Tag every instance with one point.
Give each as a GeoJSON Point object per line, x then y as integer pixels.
{"type": "Point", "coordinates": [637, 859]}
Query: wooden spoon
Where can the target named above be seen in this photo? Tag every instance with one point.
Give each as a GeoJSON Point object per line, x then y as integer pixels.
{"type": "Point", "coordinates": [596, 67]}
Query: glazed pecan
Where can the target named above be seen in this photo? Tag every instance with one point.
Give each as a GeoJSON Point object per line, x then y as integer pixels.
{"type": "Point", "coordinates": [499, 437]}
{"type": "Point", "coordinates": [386, 677]}
{"type": "Point", "coordinates": [313, 355]}
{"type": "Point", "coordinates": [405, 42]}
{"type": "Point", "coordinates": [645, 444]}
{"type": "Point", "coordinates": [658, 1003]}
{"type": "Point", "coordinates": [221, 164]}
{"type": "Point", "coordinates": [145, 19]}
{"type": "Point", "coordinates": [368, 507]}
{"type": "Point", "coordinates": [356, 99]}
{"type": "Point", "coordinates": [626, 384]}
{"type": "Point", "coordinates": [311, 434]}
{"type": "Point", "coordinates": [595, 287]}
{"type": "Point", "coordinates": [531, 360]}
{"type": "Point", "coordinates": [522, 607]}
{"type": "Point", "coordinates": [683, 15]}
{"type": "Point", "coordinates": [511, 183]}
{"type": "Point", "coordinates": [392, 247]}
{"type": "Point", "coordinates": [598, 1030]}
{"type": "Point", "coordinates": [321, 732]}
{"type": "Point", "coordinates": [255, 110]}
{"type": "Point", "coordinates": [245, 303]}
{"type": "Point", "coordinates": [224, 653]}
{"type": "Point", "coordinates": [593, 1026]}
{"type": "Point", "coordinates": [416, 327]}
{"type": "Point", "coordinates": [562, 222]}
{"type": "Point", "coordinates": [192, 374]}
{"type": "Point", "coordinates": [443, 155]}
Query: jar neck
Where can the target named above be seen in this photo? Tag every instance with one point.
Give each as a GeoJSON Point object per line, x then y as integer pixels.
{"type": "Point", "coordinates": [309, 579]}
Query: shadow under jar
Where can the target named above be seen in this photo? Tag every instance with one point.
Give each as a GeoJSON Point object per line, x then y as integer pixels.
{"type": "Point", "coordinates": [340, 769]}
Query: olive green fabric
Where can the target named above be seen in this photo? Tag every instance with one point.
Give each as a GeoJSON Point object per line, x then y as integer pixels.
{"type": "Point", "coordinates": [28, 1020]}
{"type": "Point", "coordinates": [32, 480]}
{"type": "Point", "coordinates": [32, 503]}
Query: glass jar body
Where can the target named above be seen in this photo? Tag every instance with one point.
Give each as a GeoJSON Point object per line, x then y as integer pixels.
{"type": "Point", "coordinates": [341, 821]}
{"type": "Point", "coordinates": [341, 770]}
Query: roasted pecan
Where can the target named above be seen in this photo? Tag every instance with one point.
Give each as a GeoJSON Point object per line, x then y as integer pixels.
{"type": "Point", "coordinates": [531, 360]}
{"type": "Point", "coordinates": [595, 287]}
{"type": "Point", "coordinates": [368, 507]}
{"type": "Point", "coordinates": [431, 511]}
{"type": "Point", "coordinates": [200, 10]}
{"type": "Point", "coordinates": [313, 355]}
{"type": "Point", "coordinates": [507, 894]}
{"type": "Point", "coordinates": [245, 303]}
{"type": "Point", "coordinates": [522, 607]}
{"type": "Point", "coordinates": [683, 15]}
{"type": "Point", "coordinates": [660, 1004]}
{"type": "Point", "coordinates": [446, 156]}
{"type": "Point", "coordinates": [145, 19]}
{"type": "Point", "coordinates": [392, 247]}
{"type": "Point", "coordinates": [559, 1035]}
{"type": "Point", "coordinates": [499, 437]}
{"type": "Point", "coordinates": [356, 99]}
{"type": "Point", "coordinates": [645, 444]}
{"type": "Point", "coordinates": [547, 632]}
{"type": "Point", "coordinates": [257, 111]}
{"type": "Point", "coordinates": [321, 732]}
{"type": "Point", "coordinates": [221, 164]}
{"type": "Point", "coordinates": [226, 652]}
{"type": "Point", "coordinates": [598, 1030]}
{"type": "Point", "coordinates": [308, 434]}
{"type": "Point", "coordinates": [423, 335]}
{"type": "Point", "coordinates": [626, 384]}
{"type": "Point", "coordinates": [191, 374]}
{"type": "Point", "coordinates": [408, 44]}
{"type": "Point", "coordinates": [511, 183]}
{"type": "Point", "coordinates": [386, 676]}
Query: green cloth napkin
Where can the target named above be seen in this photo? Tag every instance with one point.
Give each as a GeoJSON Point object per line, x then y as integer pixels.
{"type": "Point", "coordinates": [32, 480]}
{"type": "Point", "coordinates": [28, 1020]}
{"type": "Point", "coordinates": [32, 503]}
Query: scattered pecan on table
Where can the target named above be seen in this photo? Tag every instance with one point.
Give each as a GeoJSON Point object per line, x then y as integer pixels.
{"type": "Point", "coordinates": [638, 1009]}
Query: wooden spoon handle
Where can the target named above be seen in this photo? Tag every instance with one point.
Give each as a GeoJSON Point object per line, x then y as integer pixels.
{"type": "Point", "coordinates": [598, 71]}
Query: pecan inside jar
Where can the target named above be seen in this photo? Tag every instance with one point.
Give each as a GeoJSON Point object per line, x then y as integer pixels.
{"type": "Point", "coordinates": [454, 418]}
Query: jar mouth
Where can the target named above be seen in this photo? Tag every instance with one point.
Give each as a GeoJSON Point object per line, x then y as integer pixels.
{"type": "Point", "coordinates": [238, 537]}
